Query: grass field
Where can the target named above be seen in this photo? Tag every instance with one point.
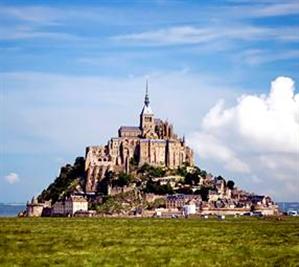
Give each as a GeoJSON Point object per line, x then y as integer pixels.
{"type": "Point", "coordinates": [148, 242]}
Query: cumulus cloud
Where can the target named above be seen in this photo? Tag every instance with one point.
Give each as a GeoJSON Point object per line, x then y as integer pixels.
{"type": "Point", "coordinates": [12, 178]}
{"type": "Point", "coordinates": [258, 136]}
{"type": "Point", "coordinates": [212, 147]}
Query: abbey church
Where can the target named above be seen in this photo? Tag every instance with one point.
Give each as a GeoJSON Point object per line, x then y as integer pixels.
{"type": "Point", "coordinates": [153, 142]}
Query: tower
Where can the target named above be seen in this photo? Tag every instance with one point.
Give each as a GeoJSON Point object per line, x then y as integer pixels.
{"type": "Point", "coordinates": [147, 123]}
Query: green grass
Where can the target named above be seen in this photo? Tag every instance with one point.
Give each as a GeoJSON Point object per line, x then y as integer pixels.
{"type": "Point", "coordinates": [148, 242]}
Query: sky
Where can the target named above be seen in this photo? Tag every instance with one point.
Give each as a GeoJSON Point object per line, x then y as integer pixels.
{"type": "Point", "coordinates": [225, 73]}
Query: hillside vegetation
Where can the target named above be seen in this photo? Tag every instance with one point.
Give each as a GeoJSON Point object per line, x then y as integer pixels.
{"type": "Point", "coordinates": [140, 180]}
{"type": "Point", "coordinates": [70, 177]}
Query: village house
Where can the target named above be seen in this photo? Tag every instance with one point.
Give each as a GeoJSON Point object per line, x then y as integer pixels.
{"type": "Point", "coordinates": [178, 201]}
{"type": "Point", "coordinates": [70, 206]}
{"type": "Point", "coordinates": [74, 204]}
{"type": "Point", "coordinates": [58, 208]}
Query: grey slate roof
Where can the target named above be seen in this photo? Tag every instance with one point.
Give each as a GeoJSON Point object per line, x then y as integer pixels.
{"type": "Point", "coordinates": [130, 129]}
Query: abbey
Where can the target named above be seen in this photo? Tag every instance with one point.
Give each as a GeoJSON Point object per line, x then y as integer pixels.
{"type": "Point", "coordinates": [153, 142]}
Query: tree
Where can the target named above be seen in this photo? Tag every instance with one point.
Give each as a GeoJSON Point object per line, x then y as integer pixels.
{"type": "Point", "coordinates": [151, 171]}
{"type": "Point", "coordinates": [203, 174]}
{"type": "Point", "coordinates": [156, 188]}
{"type": "Point", "coordinates": [134, 162]}
{"type": "Point", "coordinates": [110, 175]}
{"type": "Point", "coordinates": [230, 184]}
{"type": "Point", "coordinates": [66, 180]}
{"type": "Point", "coordinates": [219, 177]}
{"type": "Point", "coordinates": [144, 168]}
{"type": "Point", "coordinates": [204, 193]}
{"type": "Point", "coordinates": [124, 179]}
{"type": "Point", "coordinates": [182, 171]}
{"type": "Point", "coordinates": [185, 190]}
{"type": "Point", "coordinates": [192, 178]}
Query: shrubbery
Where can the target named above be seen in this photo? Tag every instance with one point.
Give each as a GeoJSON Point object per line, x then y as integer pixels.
{"type": "Point", "coordinates": [124, 179]}
{"type": "Point", "coordinates": [156, 188]}
{"type": "Point", "coordinates": [203, 192]}
{"type": "Point", "coordinates": [151, 171]}
{"type": "Point", "coordinates": [157, 203]}
{"type": "Point", "coordinates": [69, 177]}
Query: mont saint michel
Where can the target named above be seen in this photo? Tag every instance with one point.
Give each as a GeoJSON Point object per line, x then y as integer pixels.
{"type": "Point", "coordinates": [147, 170]}
{"type": "Point", "coordinates": [153, 142]}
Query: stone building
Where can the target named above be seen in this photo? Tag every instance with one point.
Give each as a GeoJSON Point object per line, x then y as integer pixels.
{"type": "Point", "coordinates": [36, 209]}
{"type": "Point", "coordinates": [153, 142]}
{"type": "Point", "coordinates": [74, 204]}
{"type": "Point", "coordinates": [58, 208]}
{"type": "Point", "coordinates": [180, 200]}
{"type": "Point", "coordinates": [70, 206]}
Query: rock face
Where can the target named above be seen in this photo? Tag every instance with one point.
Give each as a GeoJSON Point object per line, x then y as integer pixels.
{"type": "Point", "coordinates": [153, 142]}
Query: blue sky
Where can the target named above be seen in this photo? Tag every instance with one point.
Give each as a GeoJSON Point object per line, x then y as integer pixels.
{"type": "Point", "coordinates": [72, 72]}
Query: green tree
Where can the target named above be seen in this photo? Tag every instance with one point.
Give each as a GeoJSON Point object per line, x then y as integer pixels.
{"type": "Point", "coordinates": [151, 171]}
{"type": "Point", "coordinates": [134, 162]}
{"type": "Point", "coordinates": [124, 179]}
{"type": "Point", "coordinates": [230, 184]}
{"type": "Point", "coordinates": [144, 168]}
{"type": "Point", "coordinates": [182, 171]}
{"type": "Point", "coordinates": [203, 173]}
{"type": "Point", "coordinates": [204, 193]}
{"type": "Point", "coordinates": [192, 178]}
{"type": "Point", "coordinates": [69, 176]}
{"type": "Point", "coordinates": [156, 188]}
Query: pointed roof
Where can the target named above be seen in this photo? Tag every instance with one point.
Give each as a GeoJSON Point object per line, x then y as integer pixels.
{"type": "Point", "coordinates": [146, 108]}
{"type": "Point", "coordinates": [146, 99]}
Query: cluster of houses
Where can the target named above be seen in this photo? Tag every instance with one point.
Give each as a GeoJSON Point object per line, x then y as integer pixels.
{"type": "Point", "coordinates": [221, 200]}
{"type": "Point", "coordinates": [69, 207]}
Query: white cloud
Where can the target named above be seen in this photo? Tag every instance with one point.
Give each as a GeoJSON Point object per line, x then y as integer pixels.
{"type": "Point", "coordinates": [258, 136]}
{"type": "Point", "coordinates": [197, 35]}
{"type": "Point", "coordinates": [281, 9]}
{"type": "Point", "coordinates": [12, 178]}
{"type": "Point", "coordinates": [260, 56]}
{"type": "Point", "coordinates": [32, 32]}
{"type": "Point", "coordinates": [211, 147]}
{"type": "Point", "coordinates": [40, 14]}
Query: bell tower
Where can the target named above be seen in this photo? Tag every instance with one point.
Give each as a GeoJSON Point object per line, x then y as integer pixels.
{"type": "Point", "coordinates": [147, 123]}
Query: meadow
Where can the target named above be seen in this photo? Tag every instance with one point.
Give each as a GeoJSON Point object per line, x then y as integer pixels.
{"type": "Point", "coordinates": [148, 242]}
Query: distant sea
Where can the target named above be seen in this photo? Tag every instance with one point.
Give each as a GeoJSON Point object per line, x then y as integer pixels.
{"type": "Point", "coordinates": [11, 210]}
{"type": "Point", "coordinates": [286, 206]}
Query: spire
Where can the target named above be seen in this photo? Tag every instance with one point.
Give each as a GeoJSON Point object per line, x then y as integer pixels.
{"type": "Point", "coordinates": [146, 99]}
{"type": "Point", "coordinates": [146, 108]}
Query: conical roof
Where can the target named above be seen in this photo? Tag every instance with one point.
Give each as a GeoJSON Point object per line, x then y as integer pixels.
{"type": "Point", "coordinates": [147, 108]}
